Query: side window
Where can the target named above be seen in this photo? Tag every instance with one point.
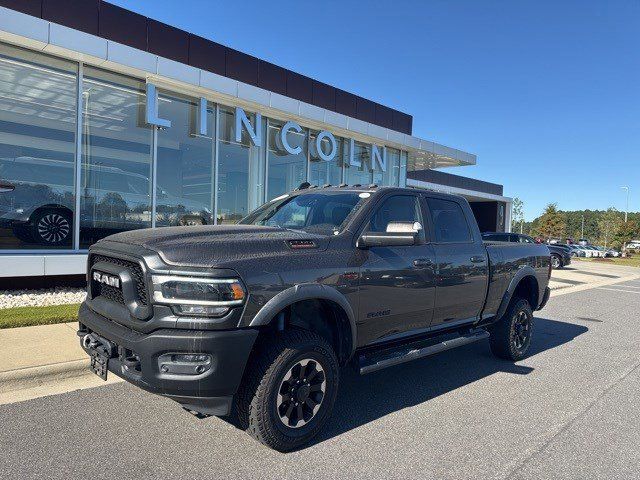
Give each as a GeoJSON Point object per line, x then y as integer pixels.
{"type": "Point", "coordinates": [495, 237]}
{"type": "Point", "coordinates": [399, 208]}
{"type": "Point", "coordinates": [449, 222]}
{"type": "Point", "coordinates": [524, 239]}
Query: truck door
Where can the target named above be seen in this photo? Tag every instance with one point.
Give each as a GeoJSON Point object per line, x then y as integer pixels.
{"type": "Point", "coordinates": [397, 284]}
{"type": "Point", "coordinates": [461, 264]}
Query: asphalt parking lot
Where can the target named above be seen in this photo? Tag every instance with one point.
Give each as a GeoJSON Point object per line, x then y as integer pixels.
{"type": "Point", "coordinates": [570, 410]}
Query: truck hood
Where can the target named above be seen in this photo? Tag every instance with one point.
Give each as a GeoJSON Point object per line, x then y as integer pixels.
{"type": "Point", "coordinates": [217, 245]}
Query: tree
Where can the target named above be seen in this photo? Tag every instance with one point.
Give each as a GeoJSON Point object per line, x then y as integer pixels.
{"type": "Point", "coordinates": [552, 223]}
{"type": "Point", "coordinates": [609, 223]}
{"type": "Point", "coordinates": [625, 233]}
{"type": "Point", "coordinates": [518, 212]}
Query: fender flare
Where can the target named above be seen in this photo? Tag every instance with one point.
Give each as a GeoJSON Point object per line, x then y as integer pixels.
{"type": "Point", "coordinates": [526, 271]}
{"type": "Point", "coordinates": [306, 291]}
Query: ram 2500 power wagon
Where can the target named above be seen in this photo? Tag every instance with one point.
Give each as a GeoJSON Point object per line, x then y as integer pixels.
{"type": "Point", "coordinates": [256, 319]}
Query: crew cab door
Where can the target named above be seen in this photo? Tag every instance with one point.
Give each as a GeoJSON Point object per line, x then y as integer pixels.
{"type": "Point", "coordinates": [397, 283]}
{"type": "Point", "coordinates": [461, 262]}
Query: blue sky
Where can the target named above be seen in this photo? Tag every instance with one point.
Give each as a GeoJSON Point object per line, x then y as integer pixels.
{"type": "Point", "coordinates": [546, 93]}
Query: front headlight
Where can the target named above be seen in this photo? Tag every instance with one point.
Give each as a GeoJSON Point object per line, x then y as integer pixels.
{"type": "Point", "coordinates": [198, 296]}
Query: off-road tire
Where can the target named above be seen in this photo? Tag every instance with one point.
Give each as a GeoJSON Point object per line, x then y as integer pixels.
{"type": "Point", "coordinates": [256, 399]}
{"type": "Point", "coordinates": [502, 339]}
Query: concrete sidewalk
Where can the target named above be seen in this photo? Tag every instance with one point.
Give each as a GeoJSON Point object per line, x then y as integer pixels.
{"type": "Point", "coordinates": [43, 360]}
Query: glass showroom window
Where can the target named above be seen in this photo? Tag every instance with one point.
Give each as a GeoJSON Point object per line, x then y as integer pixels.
{"type": "Point", "coordinates": [240, 175]}
{"type": "Point", "coordinates": [359, 174]}
{"type": "Point", "coordinates": [184, 165]}
{"type": "Point", "coordinates": [322, 172]}
{"type": "Point", "coordinates": [402, 180]}
{"type": "Point", "coordinates": [392, 175]}
{"type": "Point", "coordinates": [115, 185]}
{"type": "Point", "coordinates": [286, 171]}
{"type": "Point", "coordinates": [37, 153]}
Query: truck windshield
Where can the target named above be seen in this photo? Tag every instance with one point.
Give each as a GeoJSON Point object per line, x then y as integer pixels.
{"type": "Point", "coordinates": [324, 213]}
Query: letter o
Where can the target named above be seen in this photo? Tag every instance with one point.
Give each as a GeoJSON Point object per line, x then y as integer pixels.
{"type": "Point", "coordinates": [327, 157]}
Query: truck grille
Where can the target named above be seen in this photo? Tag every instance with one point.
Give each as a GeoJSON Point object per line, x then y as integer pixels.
{"type": "Point", "coordinates": [115, 294]}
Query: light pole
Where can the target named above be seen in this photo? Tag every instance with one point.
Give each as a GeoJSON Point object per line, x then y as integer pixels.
{"type": "Point", "coordinates": [582, 234]}
{"type": "Point", "coordinates": [626, 212]}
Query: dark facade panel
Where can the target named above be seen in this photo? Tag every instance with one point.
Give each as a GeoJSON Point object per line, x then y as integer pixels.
{"type": "Point", "coordinates": [324, 96]}
{"type": "Point", "coordinates": [241, 66]}
{"type": "Point", "coordinates": [30, 7]}
{"type": "Point", "coordinates": [167, 41]}
{"type": "Point", "coordinates": [451, 180]}
{"type": "Point", "coordinates": [207, 55]}
{"type": "Point", "coordinates": [78, 14]}
{"type": "Point", "coordinates": [384, 116]}
{"type": "Point", "coordinates": [402, 122]}
{"type": "Point", "coordinates": [272, 77]}
{"type": "Point", "coordinates": [346, 103]}
{"type": "Point", "coordinates": [122, 26]}
{"type": "Point", "coordinates": [365, 110]}
{"type": "Point", "coordinates": [299, 87]}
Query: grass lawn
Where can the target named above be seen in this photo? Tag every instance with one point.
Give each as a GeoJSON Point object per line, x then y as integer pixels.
{"type": "Point", "coordinates": [629, 261]}
{"type": "Point", "coordinates": [26, 316]}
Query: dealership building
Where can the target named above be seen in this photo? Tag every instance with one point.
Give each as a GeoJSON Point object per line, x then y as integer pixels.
{"type": "Point", "coordinates": [112, 121]}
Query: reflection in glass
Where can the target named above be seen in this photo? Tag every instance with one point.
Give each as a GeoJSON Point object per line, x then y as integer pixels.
{"type": "Point", "coordinates": [363, 174]}
{"type": "Point", "coordinates": [240, 171]}
{"type": "Point", "coordinates": [116, 156]}
{"type": "Point", "coordinates": [392, 175]}
{"type": "Point", "coordinates": [37, 151]}
{"type": "Point", "coordinates": [285, 171]}
{"type": "Point", "coordinates": [321, 172]}
{"type": "Point", "coordinates": [185, 166]}
{"type": "Point", "coordinates": [402, 181]}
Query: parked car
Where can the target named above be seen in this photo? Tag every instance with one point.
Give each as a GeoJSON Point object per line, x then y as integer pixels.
{"type": "Point", "coordinates": [257, 318]}
{"type": "Point", "coordinates": [574, 251]}
{"type": "Point", "coordinates": [612, 252]}
{"type": "Point", "coordinates": [560, 256]}
{"type": "Point", "coordinates": [37, 201]}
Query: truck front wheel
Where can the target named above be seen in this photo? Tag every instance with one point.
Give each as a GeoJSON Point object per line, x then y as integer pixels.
{"type": "Point", "coordinates": [289, 389]}
{"type": "Point", "coordinates": [511, 335]}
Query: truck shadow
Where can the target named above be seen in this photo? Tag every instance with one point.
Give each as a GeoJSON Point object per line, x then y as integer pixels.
{"type": "Point", "coordinates": [363, 399]}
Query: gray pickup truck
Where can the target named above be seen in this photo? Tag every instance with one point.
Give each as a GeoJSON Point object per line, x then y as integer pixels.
{"type": "Point", "coordinates": [255, 320]}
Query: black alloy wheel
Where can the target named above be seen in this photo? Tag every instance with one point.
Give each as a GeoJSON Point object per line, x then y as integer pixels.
{"type": "Point", "coordinates": [511, 335]}
{"type": "Point", "coordinates": [301, 393]}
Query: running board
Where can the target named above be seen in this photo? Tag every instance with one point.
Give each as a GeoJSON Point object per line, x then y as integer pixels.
{"type": "Point", "coordinates": [414, 351]}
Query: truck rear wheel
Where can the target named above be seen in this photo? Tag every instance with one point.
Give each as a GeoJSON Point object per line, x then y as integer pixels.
{"type": "Point", "coordinates": [511, 335]}
{"type": "Point", "coordinates": [289, 389]}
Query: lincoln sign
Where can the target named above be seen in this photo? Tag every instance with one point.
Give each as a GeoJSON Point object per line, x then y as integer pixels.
{"type": "Point", "coordinates": [324, 144]}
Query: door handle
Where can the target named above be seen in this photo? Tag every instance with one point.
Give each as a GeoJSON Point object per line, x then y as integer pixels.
{"type": "Point", "coordinates": [422, 262]}
{"type": "Point", "coordinates": [6, 187]}
{"type": "Point", "coordinates": [477, 259]}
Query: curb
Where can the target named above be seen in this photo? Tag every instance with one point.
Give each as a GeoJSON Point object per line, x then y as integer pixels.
{"type": "Point", "coordinates": [31, 377]}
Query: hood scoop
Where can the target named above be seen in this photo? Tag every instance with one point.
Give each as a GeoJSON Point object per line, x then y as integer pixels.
{"type": "Point", "coordinates": [301, 244]}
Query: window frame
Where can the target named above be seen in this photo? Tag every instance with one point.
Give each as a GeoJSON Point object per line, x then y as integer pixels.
{"type": "Point", "coordinates": [432, 224]}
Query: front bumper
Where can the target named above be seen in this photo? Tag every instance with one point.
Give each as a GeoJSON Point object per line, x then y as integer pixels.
{"type": "Point", "coordinates": [210, 392]}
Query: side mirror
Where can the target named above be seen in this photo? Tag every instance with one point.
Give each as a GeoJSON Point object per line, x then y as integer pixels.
{"type": "Point", "coordinates": [398, 234]}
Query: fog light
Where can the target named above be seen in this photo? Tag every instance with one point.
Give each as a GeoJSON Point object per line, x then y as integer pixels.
{"type": "Point", "coordinates": [185, 363]}
{"type": "Point", "coordinates": [201, 310]}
